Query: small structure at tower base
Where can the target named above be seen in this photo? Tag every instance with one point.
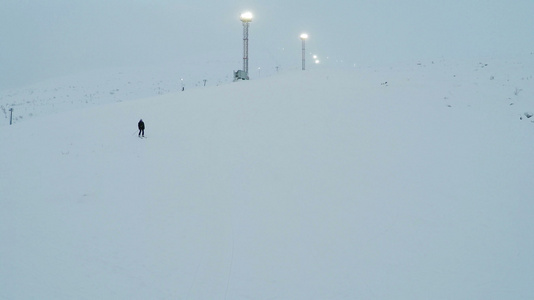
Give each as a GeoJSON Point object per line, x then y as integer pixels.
{"type": "Point", "coordinates": [240, 75]}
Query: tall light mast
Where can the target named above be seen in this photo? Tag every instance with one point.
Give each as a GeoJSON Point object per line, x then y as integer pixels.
{"type": "Point", "coordinates": [246, 18]}
{"type": "Point", "coordinates": [304, 37]}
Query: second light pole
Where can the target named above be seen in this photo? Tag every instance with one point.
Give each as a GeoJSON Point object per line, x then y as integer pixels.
{"type": "Point", "coordinates": [304, 37]}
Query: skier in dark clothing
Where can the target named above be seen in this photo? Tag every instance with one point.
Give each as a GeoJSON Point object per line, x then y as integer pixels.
{"type": "Point", "coordinates": [141, 126]}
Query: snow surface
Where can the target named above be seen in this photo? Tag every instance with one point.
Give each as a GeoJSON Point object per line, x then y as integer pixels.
{"type": "Point", "coordinates": [402, 182]}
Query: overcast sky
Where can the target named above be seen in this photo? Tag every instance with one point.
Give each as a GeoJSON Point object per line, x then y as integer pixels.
{"type": "Point", "coordinates": [45, 38]}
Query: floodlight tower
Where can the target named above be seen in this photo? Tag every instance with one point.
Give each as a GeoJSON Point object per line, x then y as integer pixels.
{"type": "Point", "coordinates": [304, 37]}
{"type": "Point", "coordinates": [246, 18]}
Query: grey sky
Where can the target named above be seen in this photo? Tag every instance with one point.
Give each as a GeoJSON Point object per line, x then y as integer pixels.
{"type": "Point", "coordinates": [43, 38]}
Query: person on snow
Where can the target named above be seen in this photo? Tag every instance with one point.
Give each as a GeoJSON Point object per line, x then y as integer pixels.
{"type": "Point", "coordinates": [141, 126]}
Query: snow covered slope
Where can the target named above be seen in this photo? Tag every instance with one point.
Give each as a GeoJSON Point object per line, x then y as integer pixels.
{"type": "Point", "coordinates": [109, 85]}
{"type": "Point", "coordinates": [410, 182]}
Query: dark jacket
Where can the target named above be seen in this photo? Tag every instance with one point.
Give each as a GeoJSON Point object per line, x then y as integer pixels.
{"type": "Point", "coordinates": [141, 125]}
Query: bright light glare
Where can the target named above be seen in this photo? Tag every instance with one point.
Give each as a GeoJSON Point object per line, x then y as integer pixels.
{"type": "Point", "coordinates": [246, 17]}
{"type": "Point", "coordinates": [317, 61]}
{"type": "Point", "coordinates": [304, 36]}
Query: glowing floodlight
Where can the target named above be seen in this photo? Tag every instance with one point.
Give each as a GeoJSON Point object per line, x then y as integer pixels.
{"type": "Point", "coordinates": [246, 17]}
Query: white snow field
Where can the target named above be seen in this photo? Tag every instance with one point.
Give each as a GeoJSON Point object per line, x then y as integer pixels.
{"type": "Point", "coordinates": [402, 182]}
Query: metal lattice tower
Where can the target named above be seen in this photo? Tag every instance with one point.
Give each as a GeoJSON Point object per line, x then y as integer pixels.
{"type": "Point", "coordinates": [246, 18]}
{"type": "Point", "coordinates": [303, 37]}
{"type": "Point", "coordinates": [245, 46]}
